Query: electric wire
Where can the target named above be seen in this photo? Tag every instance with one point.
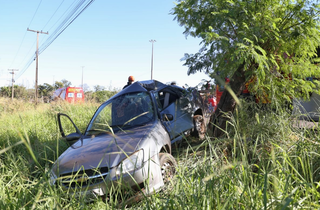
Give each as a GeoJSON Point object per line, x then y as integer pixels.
{"type": "Point", "coordinates": [53, 14]}
{"type": "Point", "coordinates": [76, 11]}
{"type": "Point", "coordinates": [53, 36]}
{"type": "Point", "coordinates": [62, 15]}
{"type": "Point", "coordinates": [57, 33]}
{"type": "Point", "coordinates": [33, 57]}
{"type": "Point", "coordinates": [25, 33]}
{"type": "Point", "coordinates": [35, 13]}
{"type": "Point", "coordinates": [34, 43]}
{"type": "Point", "coordinates": [65, 20]}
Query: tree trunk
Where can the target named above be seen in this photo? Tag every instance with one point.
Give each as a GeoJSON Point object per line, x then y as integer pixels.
{"type": "Point", "coordinates": [227, 103]}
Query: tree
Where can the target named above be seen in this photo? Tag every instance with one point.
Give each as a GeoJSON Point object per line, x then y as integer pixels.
{"type": "Point", "coordinates": [98, 88]}
{"type": "Point", "coordinates": [86, 87]}
{"type": "Point", "coordinates": [273, 42]}
{"type": "Point", "coordinates": [58, 85]}
{"type": "Point", "coordinates": [5, 91]}
{"type": "Point", "coordinates": [20, 92]}
{"type": "Point", "coordinates": [45, 89]}
{"type": "Point", "coordinates": [66, 83]}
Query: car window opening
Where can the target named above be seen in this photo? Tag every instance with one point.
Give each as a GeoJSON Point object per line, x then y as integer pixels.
{"type": "Point", "coordinates": [125, 111]}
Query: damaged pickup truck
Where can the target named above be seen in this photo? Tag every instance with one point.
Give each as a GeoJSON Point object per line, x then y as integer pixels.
{"type": "Point", "coordinates": [127, 143]}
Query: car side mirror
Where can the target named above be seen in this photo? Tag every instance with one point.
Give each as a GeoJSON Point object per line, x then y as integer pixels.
{"type": "Point", "coordinates": [167, 117]}
{"type": "Point", "coordinates": [72, 137]}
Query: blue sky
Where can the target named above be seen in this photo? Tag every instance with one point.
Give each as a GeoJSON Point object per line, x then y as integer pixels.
{"type": "Point", "coordinates": [109, 41]}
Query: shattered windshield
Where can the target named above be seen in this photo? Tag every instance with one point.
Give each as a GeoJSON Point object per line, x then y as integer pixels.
{"type": "Point", "coordinates": [125, 111]}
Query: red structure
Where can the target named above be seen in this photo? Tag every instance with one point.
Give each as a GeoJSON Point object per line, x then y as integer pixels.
{"type": "Point", "coordinates": [69, 94]}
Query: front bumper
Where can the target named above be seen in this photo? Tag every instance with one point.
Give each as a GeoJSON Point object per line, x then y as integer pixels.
{"type": "Point", "coordinates": [148, 177]}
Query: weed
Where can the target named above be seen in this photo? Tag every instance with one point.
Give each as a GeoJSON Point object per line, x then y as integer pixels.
{"type": "Point", "coordinates": [263, 163]}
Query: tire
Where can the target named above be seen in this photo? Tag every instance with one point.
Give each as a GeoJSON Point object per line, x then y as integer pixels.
{"type": "Point", "coordinates": [199, 127]}
{"type": "Point", "coordinates": [168, 167]}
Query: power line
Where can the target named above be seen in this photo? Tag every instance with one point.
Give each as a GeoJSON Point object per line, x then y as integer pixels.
{"type": "Point", "coordinates": [53, 14]}
{"type": "Point", "coordinates": [65, 12]}
{"type": "Point", "coordinates": [76, 11]}
{"type": "Point", "coordinates": [34, 56]}
{"type": "Point", "coordinates": [65, 24]}
{"type": "Point", "coordinates": [35, 13]}
{"type": "Point", "coordinates": [14, 58]}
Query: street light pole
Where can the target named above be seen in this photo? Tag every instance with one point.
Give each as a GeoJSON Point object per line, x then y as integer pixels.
{"type": "Point", "coordinates": [82, 78]}
{"type": "Point", "coordinates": [152, 41]}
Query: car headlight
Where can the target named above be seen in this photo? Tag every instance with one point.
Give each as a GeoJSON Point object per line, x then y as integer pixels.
{"type": "Point", "coordinates": [131, 163]}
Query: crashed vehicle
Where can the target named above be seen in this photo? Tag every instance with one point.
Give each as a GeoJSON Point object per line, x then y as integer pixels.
{"type": "Point", "coordinates": [69, 94]}
{"type": "Point", "coordinates": [307, 110]}
{"type": "Point", "coordinates": [127, 143]}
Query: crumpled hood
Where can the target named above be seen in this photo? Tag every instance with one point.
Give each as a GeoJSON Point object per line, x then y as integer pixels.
{"type": "Point", "coordinates": [103, 150]}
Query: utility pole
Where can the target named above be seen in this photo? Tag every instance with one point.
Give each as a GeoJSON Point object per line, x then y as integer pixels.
{"type": "Point", "coordinates": [12, 72]}
{"type": "Point", "coordinates": [37, 55]}
{"type": "Point", "coordinates": [152, 41]}
{"type": "Point", "coordinates": [82, 78]}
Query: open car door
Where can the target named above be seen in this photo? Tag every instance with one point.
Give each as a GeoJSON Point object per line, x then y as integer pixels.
{"type": "Point", "coordinates": [68, 130]}
{"type": "Point", "coordinates": [176, 112]}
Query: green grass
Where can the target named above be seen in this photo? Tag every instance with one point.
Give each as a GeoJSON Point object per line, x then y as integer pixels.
{"type": "Point", "coordinates": [263, 162]}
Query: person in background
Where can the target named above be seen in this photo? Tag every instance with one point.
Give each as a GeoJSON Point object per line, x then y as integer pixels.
{"type": "Point", "coordinates": [173, 83]}
{"type": "Point", "coordinates": [130, 81]}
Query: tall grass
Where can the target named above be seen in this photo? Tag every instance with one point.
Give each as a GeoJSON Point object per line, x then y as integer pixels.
{"type": "Point", "coordinates": [29, 144]}
{"type": "Point", "coordinates": [263, 162]}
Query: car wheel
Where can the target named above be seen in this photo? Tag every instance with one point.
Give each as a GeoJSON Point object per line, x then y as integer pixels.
{"type": "Point", "coordinates": [168, 167]}
{"type": "Point", "coordinates": [199, 126]}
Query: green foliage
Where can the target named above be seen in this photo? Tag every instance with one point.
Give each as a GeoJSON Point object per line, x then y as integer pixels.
{"type": "Point", "coordinates": [263, 163]}
{"type": "Point", "coordinates": [66, 83]}
{"type": "Point", "coordinates": [58, 85]}
{"type": "Point", "coordinates": [98, 88]}
{"type": "Point", "coordinates": [20, 92]}
{"type": "Point", "coordinates": [45, 89]}
{"type": "Point", "coordinates": [6, 91]}
{"type": "Point", "coordinates": [42, 133]}
{"type": "Point", "coordinates": [100, 96]}
{"type": "Point", "coordinates": [62, 83]}
{"type": "Point", "coordinates": [277, 40]}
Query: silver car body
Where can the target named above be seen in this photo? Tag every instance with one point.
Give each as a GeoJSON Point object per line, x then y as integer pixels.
{"type": "Point", "coordinates": [307, 110]}
{"type": "Point", "coordinates": [123, 140]}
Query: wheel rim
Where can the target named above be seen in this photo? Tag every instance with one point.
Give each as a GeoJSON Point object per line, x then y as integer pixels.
{"type": "Point", "coordinates": [167, 171]}
{"type": "Point", "coordinates": [199, 125]}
